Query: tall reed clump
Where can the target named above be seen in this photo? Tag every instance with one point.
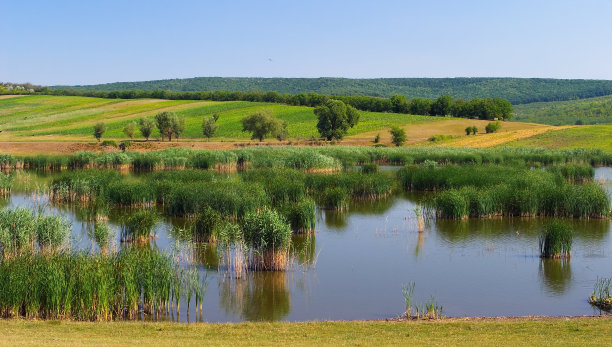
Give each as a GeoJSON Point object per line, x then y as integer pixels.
{"type": "Point", "coordinates": [81, 186]}
{"type": "Point", "coordinates": [93, 287]}
{"type": "Point", "coordinates": [234, 250]}
{"type": "Point", "coordinates": [23, 232]}
{"type": "Point", "coordinates": [6, 183]}
{"type": "Point", "coordinates": [429, 310]}
{"type": "Point", "coordinates": [268, 235]}
{"type": "Point", "coordinates": [301, 215]}
{"type": "Point", "coordinates": [601, 297]}
{"type": "Point", "coordinates": [8, 162]}
{"type": "Point", "coordinates": [556, 240]}
{"type": "Point", "coordinates": [138, 227]}
{"type": "Point", "coordinates": [336, 198]}
{"type": "Point", "coordinates": [206, 225]}
{"type": "Point", "coordinates": [101, 234]}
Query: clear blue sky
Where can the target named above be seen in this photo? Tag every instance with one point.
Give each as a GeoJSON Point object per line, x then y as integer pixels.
{"type": "Point", "coordinates": [87, 41]}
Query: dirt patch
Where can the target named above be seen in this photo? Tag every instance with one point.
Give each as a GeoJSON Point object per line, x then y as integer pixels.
{"type": "Point", "coordinates": [10, 96]}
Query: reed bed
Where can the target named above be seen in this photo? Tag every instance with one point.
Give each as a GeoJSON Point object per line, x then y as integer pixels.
{"type": "Point", "coordinates": [301, 215]}
{"type": "Point", "coordinates": [23, 232]}
{"type": "Point", "coordinates": [95, 287]}
{"type": "Point", "coordinates": [6, 183]}
{"type": "Point", "coordinates": [311, 159]}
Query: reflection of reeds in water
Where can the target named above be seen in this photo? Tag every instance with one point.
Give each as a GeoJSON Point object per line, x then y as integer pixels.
{"type": "Point", "coordinates": [269, 260]}
{"type": "Point", "coordinates": [233, 260]}
{"type": "Point", "coordinates": [260, 296]}
{"type": "Point", "coordinates": [556, 274]}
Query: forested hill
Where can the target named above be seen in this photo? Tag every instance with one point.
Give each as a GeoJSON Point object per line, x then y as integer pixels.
{"type": "Point", "coordinates": [516, 90]}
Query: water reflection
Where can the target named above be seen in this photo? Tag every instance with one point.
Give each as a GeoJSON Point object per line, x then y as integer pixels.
{"type": "Point", "coordinates": [556, 275]}
{"type": "Point", "coordinates": [261, 296]}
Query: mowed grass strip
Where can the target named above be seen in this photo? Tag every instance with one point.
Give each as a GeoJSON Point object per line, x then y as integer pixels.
{"type": "Point", "coordinates": [73, 117]}
{"type": "Point", "coordinates": [489, 332]}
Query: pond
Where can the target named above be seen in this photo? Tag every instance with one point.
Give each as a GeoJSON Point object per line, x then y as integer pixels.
{"type": "Point", "coordinates": [355, 265]}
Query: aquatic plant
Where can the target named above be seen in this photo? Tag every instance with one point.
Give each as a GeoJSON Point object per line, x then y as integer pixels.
{"type": "Point", "coordinates": [268, 235]}
{"type": "Point", "coordinates": [139, 226]}
{"type": "Point", "coordinates": [369, 168]}
{"type": "Point", "coordinates": [301, 215]}
{"type": "Point", "coordinates": [336, 199]}
{"type": "Point", "coordinates": [206, 225]}
{"type": "Point", "coordinates": [601, 297]}
{"type": "Point", "coordinates": [556, 240]}
{"type": "Point", "coordinates": [52, 232]}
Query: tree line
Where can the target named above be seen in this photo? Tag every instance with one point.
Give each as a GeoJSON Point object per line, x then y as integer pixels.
{"type": "Point", "coordinates": [482, 108]}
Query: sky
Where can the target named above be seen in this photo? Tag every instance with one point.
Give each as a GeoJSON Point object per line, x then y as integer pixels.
{"type": "Point", "coordinates": [90, 42]}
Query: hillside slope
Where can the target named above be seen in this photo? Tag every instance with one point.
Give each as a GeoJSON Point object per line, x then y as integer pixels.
{"type": "Point", "coordinates": [516, 90]}
{"type": "Point", "coordinates": [587, 111]}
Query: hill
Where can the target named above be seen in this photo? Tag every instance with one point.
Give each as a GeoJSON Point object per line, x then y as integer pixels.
{"type": "Point", "coordinates": [516, 90]}
{"type": "Point", "coordinates": [586, 111]}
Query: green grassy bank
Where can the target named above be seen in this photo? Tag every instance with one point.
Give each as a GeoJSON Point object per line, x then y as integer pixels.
{"type": "Point", "coordinates": [511, 332]}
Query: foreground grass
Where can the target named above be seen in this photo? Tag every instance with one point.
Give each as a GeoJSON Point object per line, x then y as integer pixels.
{"type": "Point", "coordinates": [488, 332]}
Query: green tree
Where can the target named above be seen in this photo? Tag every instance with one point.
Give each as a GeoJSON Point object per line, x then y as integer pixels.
{"type": "Point", "coordinates": [130, 129]}
{"type": "Point", "coordinates": [178, 126]}
{"type": "Point", "coordinates": [209, 127]}
{"type": "Point", "coordinates": [146, 127]}
{"type": "Point", "coordinates": [398, 136]}
{"type": "Point", "coordinates": [468, 130]}
{"type": "Point", "coordinates": [164, 124]}
{"type": "Point", "coordinates": [283, 132]}
{"type": "Point", "coordinates": [474, 130]}
{"type": "Point", "coordinates": [399, 104]}
{"type": "Point", "coordinates": [420, 106]}
{"type": "Point", "coordinates": [261, 124]}
{"type": "Point", "coordinates": [442, 106]}
{"type": "Point", "coordinates": [99, 130]}
{"type": "Point", "coordinates": [335, 118]}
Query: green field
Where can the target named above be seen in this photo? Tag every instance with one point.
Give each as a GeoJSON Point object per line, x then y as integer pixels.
{"type": "Point", "coordinates": [588, 111]}
{"type": "Point", "coordinates": [42, 117]}
{"type": "Point", "coordinates": [585, 136]}
{"type": "Point", "coordinates": [513, 332]}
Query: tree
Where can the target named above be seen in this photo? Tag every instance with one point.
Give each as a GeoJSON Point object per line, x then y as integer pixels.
{"type": "Point", "coordinates": [399, 104]}
{"type": "Point", "coordinates": [146, 127]}
{"type": "Point", "coordinates": [335, 118]}
{"type": "Point", "coordinates": [130, 129]}
{"type": "Point", "coordinates": [99, 130]}
{"type": "Point", "coordinates": [468, 130]}
{"type": "Point", "coordinates": [164, 123]}
{"type": "Point", "coordinates": [442, 106]}
{"type": "Point", "coordinates": [178, 126]}
{"type": "Point", "coordinates": [261, 124]}
{"type": "Point", "coordinates": [209, 127]}
{"type": "Point", "coordinates": [398, 136]}
{"type": "Point", "coordinates": [420, 106]}
{"type": "Point", "coordinates": [474, 130]}
{"type": "Point", "coordinates": [283, 132]}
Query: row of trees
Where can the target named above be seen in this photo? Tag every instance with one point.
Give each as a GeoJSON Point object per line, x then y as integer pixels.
{"type": "Point", "coordinates": [488, 108]}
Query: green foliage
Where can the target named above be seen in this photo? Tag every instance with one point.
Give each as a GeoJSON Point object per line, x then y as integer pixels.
{"type": "Point", "coordinates": [146, 127]}
{"type": "Point", "coordinates": [266, 230]}
{"type": "Point", "coordinates": [261, 124]}
{"type": "Point", "coordinates": [439, 138]}
{"type": "Point", "coordinates": [398, 136]}
{"type": "Point", "coordinates": [206, 225]}
{"type": "Point", "coordinates": [334, 118]}
{"type": "Point", "coordinates": [168, 124]}
{"type": "Point", "coordinates": [369, 168]}
{"type": "Point", "coordinates": [130, 129]}
{"type": "Point", "coordinates": [556, 240]}
{"type": "Point", "coordinates": [209, 127]}
{"type": "Point", "coordinates": [99, 130]}
{"type": "Point", "coordinates": [377, 138]}
{"type": "Point", "coordinates": [493, 127]}
{"type": "Point", "coordinates": [109, 143]}
{"type": "Point", "coordinates": [596, 110]}
{"type": "Point", "coordinates": [301, 215]}
{"type": "Point", "coordinates": [139, 225]}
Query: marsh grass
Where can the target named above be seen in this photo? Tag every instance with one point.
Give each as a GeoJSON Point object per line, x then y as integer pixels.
{"type": "Point", "coordinates": [139, 226]}
{"type": "Point", "coordinates": [601, 297]}
{"type": "Point", "coordinates": [268, 235]}
{"type": "Point", "coordinates": [301, 215]}
{"type": "Point", "coordinates": [556, 240]}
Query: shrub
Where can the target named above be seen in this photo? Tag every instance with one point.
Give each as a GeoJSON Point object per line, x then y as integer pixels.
{"type": "Point", "coordinates": [493, 127]}
{"type": "Point", "coordinates": [398, 136]}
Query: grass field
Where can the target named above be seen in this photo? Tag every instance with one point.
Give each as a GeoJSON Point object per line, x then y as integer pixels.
{"type": "Point", "coordinates": [588, 111]}
{"type": "Point", "coordinates": [584, 136]}
{"type": "Point", "coordinates": [43, 118]}
{"type": "Point", "coordinates": [488, 332]}
{"type": "Point", "coordinates": [72, 118]}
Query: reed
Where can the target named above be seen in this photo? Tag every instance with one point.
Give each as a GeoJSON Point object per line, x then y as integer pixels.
{"type": "Point", "coordinates": [301, 215]}
{"type": "Point", "coordinates": [206, 225]}
{"type": "Point", "coordinates": [556, 240]}
{"type": "Point", "coordinates": [138, 227]}
{"type": "Point", "coordinates": [52, 233]}
{"type": "Point", "coordinates": [601, 297]}
{"type": "Point", "coordinates": [336, 199]}
{"type": "Point", "coordinates": [6, 183]}
{"type": "Point", "coordinates": [90, 287]}
{"type": "Point", "coordinates": [268, 235]}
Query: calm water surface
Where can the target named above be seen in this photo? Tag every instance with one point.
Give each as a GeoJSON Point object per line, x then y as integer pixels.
{"type": "Point", "coordinates": [356, 263]}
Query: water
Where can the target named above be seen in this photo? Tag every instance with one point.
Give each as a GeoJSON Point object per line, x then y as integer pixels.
{"type": "Point", "coordinates": [356, 263]}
